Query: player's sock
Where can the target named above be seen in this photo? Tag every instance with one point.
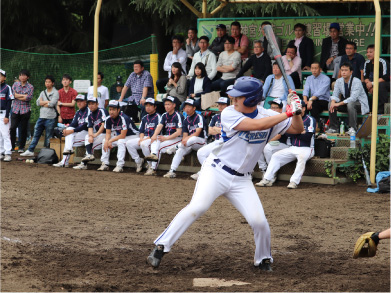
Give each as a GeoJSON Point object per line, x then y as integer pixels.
{"type": "Point", "coordinates": [89, 148]}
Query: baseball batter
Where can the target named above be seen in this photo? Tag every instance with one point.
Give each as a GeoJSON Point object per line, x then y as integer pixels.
{"type": "Point", "coordinates": [6, 98]}
{"type": "Point", "coordinates": [246, 128]}
{"type": "Point", "coordinates": [96, 131]}
{"type": "Point", "coordinates": [75, 133]}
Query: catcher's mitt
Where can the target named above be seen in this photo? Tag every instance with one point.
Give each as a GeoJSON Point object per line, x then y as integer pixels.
{"type": "Point", "coordinates": [368, 251]}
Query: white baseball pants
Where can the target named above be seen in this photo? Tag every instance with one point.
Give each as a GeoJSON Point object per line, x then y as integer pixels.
{"type": "Point", "coordinates": [285, 156]}
{"type": "Point", "coordinates": [193, 143]}
{"type": "Point", "coordinates": [5, 138]}
{"type": "Point", "coordinates": [204, 152]}
{"type": "Point", "coordinates": [73, 140]}
{"type": "Point", "coordinates": [213, 182]}
{"type": "Point", "coordinates": [158, 148]}
{"type": "Point", "coordinates": [98, 141]}
{"type": "Point", "coordinates": [121, 152]}
{"type": "Point", "coordinates": [267, 153]}
{"type": "Point", "coordinates": [132, 147]}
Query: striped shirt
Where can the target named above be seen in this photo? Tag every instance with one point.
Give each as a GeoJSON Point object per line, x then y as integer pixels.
{"type": "Point", "coordinates": [18, 106]}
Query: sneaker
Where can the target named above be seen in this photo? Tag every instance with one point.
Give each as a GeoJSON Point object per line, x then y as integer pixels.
{"type": "Point", "coordinates": [139, 166]}
{"type": "Point", "coordinates": [265, 265]}
{"type": "Point", "coordinates": [171, 150]}
{"type": "Point", "coordinates": [7, 158]}
{"type": "Point", "coordinates": [170, 174]}
{"type": "Point", "coordinates": [265, 183]}
{"type": "Point", "coordinates": [21, 151]}
{"type": "Point", "coordinates": [67, 152]}
{"type": "Point", "coordinates": [60, 165]}
{"type": "Point", "coordinates": [194, 176]}
{"type": "Point", "coordinates": [150, 172]}
{"type": "Point", "coordinates": [81, 166]}
{"type": "Point", "coordinates": [156, 256]}
{"type": "Point", "coordinates": [88, 158]}
{"type": "Point", "coordinates": [27, 154]}
{"type": "Point", "coordinates": [292, 185]}
{"type": "Point", "coordinates": [118, 169]}
{"type": "Point", "coordinates": [152, 157]}
{"type": "Point", "coordinates": [350, 131]}
{"type": "Point", "coordinates": [103, 167]}
{"type": "Point", "coordinates": [332, 131]}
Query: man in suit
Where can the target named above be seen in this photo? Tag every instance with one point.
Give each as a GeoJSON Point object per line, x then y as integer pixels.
{"type": "Point", "coordinates": [304, 45]}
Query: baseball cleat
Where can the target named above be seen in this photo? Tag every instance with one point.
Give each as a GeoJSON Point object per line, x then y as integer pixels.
{"type": "Point", "coordinates": [88, 158]}
{"type": "Point", "coordinates": [60, 165]}
{"type": "Point", "coordinates": [118, 169]}
{"type": "Point", "coordinates": [67, 152]}
{"type": "Point", "coordinates": [7, 158]}
{"type": "Point", "coordinates": [81, 166]}
{"type": "Point", "coordinates": [292, 185]}
{"type": "Point", "coordinates": [150, 172]}
{"type": "Point", "coordinates": [103, 167]}
{"type": "Point", "coordinates": [265, 265]}
{"type": "Point", "coordinates": [194, 176]}
{"type": "Point", "coordinates": [170, 174]}
{"type": "Point", "coordinates": [152, 157]}
{"type": "Point", "coordinates": [156, 256]}
{"type": "Point", "coordinates": [139, 166]}
{"type": "Point", "coordinates": [265, 183]}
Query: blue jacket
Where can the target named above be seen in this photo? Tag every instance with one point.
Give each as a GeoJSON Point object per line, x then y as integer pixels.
{"type": "Point", "coordinates": [268, 81]}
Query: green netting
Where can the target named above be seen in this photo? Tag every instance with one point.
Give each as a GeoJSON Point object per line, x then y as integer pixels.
{"type": "Point", "coordinates": [112, 62]}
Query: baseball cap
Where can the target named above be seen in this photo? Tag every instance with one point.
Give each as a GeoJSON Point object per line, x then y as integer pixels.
{"type": "Point", "coordinates": [230, 87]}
{"type": "Point", "coordinates": [114, 104]}
{"type": "Point", "coordinates": [335, 25]}
{"type": "Point", "coordinates": [2, 72]}
{"type": "Point", "coordinates": [223, 100]}
{"type": "Point", "coordinates": [92, 99]}
{"type": "Point", "coordinates": [276, 101]}
{"type": "Point", "coordinates": [119, 84]}
{"type": "Point", "coordinates": [119, 78]}
{"type": "Point", "coordinates": [80, 97]}
{"type": "Point", "coordinates": [190, 102]}
{"type": "Point", "coordinates": [222, 26]}
{"type": "Point", "coordinates": [150, 101]}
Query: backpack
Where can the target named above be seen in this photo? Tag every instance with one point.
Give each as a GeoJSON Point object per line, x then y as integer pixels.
{"type": "Point", "coordinates": [47, 156]}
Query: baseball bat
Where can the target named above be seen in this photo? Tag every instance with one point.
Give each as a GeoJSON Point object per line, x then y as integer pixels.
{"type": "Point", "coordinates": [276, 51]}
{"type": "Point", "coordinates": [367, 178]}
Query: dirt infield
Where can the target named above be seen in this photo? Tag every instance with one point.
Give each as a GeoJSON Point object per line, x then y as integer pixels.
{"type": "Point", "coordinates": [72, 230]}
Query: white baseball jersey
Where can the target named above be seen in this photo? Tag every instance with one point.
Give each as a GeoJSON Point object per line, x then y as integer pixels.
{"type": "Point", "coordinates": [242, 149]}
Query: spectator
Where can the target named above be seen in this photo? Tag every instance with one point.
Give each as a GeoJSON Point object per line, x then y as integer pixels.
{"type": "Point", "coordinates": [332, 47]}
{"type": "Point", "coordinates": [241, 41]}
{"type": "Point", "coordinates": [103, 92]}
{"type": "Point", "coordinates": [357, 61]}
{"type": "Point", "coordinates": [176, 55]}
{"type": "Point", "coordinates": [6, 98]}
{"type": "Point", "coordinates": [260, 63]}
{"type": "Point", "coordinates": [75, 133]}
{"type": "Point", "coordinates": [292, 65]}
{"type": "Point", "coordinates": [119, 129]}
{"type": "Point", "coordinates": [47, 102]}
{"type": "Point", "coordinates": [191, 44]}
{"type": "Point", "coordinates": [177, 84]}
{"type": "Point", "coordinates": [140, 82]}
{"type": "Point", "coordinates": [96, 132]}
{"type": "Point", "coordinates": [353, 99]}
{"type": "Point", "coordinates": [21, 109]}
{"type": "Point", "coordinates": [148, 126]}
{"type": "Point", "coordinates": [275, 85]}
{"type": "Point", "coordinates": [206, 57]}
{"type": "Point", "coordinates": [302, 149]}
{"type": "Point", "coordinates": [265, 42]}
{"type": "Point", "coordinates": [200, 84]}
{"type": "Point", "coordinates": [316, 92]}
{"type": "Point", "coordinates": [229, 65]}
{"type": "Point", "coordinates": [66, 102]}
{"type": "Point", "coordinates": [118, 91]}
{"type": "Point", "coordinates": [384, 77]}
{"type": "Point", "coordinates": [218, 43]}
{"type": "Point", "coordinates": [304, 45]}
{"type": "Point", "coordinates": [194, 136]}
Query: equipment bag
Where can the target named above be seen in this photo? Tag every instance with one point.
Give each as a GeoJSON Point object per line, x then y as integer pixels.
{"type": "Point", "coordinates": [323, 148]}
{"type": "Point", "coordinates": [384, 185]}
{"type": "Point", "coordinates": [47, 156]}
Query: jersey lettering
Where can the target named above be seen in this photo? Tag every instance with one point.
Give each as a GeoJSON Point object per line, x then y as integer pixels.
{"type": "Point", "coordinates": [253, 137]}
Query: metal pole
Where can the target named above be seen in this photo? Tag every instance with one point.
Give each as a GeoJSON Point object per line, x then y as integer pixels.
{"type": "Point", "coordinates": [96, 47]}
{"type": "Point", "coordinates": [372, 167]}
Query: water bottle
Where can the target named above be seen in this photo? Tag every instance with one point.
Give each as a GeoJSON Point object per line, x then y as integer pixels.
{"type": "Point", "coordinates": [352, 139]}
{"type": "Point", "coordinates": [60, 125]}
{"type": "Point", "coordinates": [342, 128]}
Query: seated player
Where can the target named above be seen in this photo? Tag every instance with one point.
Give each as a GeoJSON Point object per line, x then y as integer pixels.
{"type": "Point", "coordinates": [75, 133]}
{"type": "Point", "coordinates": [167, 134]}
{"type": "Point", "coordinates": [6, 98]}
{"type": "Point", "coordinates": [302, 149]}
{"type": "Point", "coordinates": [147, 128]}
{"type": "Point", "coordinates": [215, 130]}
{"type": "Point", "coordinates": [96, 131]}
{"type": "Point", "coordinates": [119, 129]}
{"type": "Point", "coordinates": [194, 136]}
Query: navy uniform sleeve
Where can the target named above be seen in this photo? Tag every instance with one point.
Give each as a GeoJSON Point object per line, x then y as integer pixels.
{"type": "Point", "coordinates": [108, 124]}
{"type": "Point", "coordinates": [142, 125]}
{"type": "Point", "coordinates": [164, 119]}
{"type": "Point", "coordinates": [213, 121]}
{"type": "Point", "coordinates": [185, 126]}
{"type": "Point", "coordinates": [74, 120]}
{"type": "Point", "coordinates": [90, 123]}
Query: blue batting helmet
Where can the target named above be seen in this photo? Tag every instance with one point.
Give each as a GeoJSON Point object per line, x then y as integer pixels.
{"type": "Point", "coordinates": [248, 87]}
